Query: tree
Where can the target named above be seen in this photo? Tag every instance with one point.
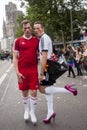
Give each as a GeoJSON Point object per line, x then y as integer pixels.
{"type": "Point", "coordinates": [56, 15]}
{"type": "Point", "coordinates": [19, 29]}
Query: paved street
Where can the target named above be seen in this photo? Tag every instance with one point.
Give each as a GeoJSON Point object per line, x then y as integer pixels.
{"type": "Point", "coordinates": [71, 110]}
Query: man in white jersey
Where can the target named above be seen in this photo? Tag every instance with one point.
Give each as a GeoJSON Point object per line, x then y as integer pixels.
{"type": "Point", "coordinates": [45, 49]}
{"type": "Point", "coordinates": [46, 46]}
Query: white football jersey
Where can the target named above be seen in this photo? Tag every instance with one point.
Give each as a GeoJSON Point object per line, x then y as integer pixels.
{"type": "Point", "coordinates": [45, 44]}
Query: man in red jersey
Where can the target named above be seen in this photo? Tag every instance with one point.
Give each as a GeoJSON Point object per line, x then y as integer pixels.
{"type": "Point", "coordinates": [25, 50]}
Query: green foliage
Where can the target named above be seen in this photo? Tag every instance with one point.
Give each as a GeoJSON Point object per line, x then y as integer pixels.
{"type": "Point", "coordinates": [19, 29]}
{"type": "Point", "coordinates": [55, 14]}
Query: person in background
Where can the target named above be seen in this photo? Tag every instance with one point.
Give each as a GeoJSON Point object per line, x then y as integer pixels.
{"type": "Point", "coordinates": [71, 65]}
{"type": "Point", "coordinates": [25, 50]}
{"type": "Point", "coordinates": [78, 61]}
{"type": "Point", "coordinates": [71, 61]}
{"type": "Point", "coordinates": [46, 51]}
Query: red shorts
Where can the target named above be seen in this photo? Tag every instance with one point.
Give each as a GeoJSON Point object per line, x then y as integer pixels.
{"type": "Point", "coordinates": [31, 80]}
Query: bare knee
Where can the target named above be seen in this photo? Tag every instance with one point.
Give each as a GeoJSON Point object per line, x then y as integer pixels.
{"type": "Point", "coordinates": [33, 93]}
{"type": "Point", "coordinates": [25, 93]}
{"type": "Point", "coordinates": [42, 89]}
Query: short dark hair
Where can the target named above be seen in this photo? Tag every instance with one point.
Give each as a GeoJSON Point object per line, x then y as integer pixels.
{"type": "Point", "coordinates": [39, 22]}
{"type": "Point", "coordinates": [24, 22]}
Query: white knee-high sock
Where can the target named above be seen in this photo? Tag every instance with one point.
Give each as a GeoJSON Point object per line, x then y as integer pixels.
{"type": "Point", "coordinates": [33, 102]}
{"type": "Point", "coordinates": [26, 103]}
{"type": "Point", "coordinates": [52, 90]}
{"type": "Point", "coordinates": [49, 99]}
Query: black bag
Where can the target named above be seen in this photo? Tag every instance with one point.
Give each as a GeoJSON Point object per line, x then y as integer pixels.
{"type": "Point", "coordinates": [54, 71]}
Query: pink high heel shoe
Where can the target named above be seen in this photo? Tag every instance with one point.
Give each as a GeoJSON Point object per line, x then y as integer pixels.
{"type": "Point", "coordinates": [72, 90]}
{"type": "Point", "coordinates": [46, 121]}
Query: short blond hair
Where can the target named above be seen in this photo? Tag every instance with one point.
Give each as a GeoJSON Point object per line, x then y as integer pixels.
{"type": "Point", "coordinates": [39, 22]}
{"type": "Point", "coordinates": [24, 22]}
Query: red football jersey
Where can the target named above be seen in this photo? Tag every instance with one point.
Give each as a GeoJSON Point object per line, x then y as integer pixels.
{"type": "Point", "coordinates": [28, 49]}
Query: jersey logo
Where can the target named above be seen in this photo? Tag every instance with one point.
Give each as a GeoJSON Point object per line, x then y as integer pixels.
{"type": "Point", "coordinates": [23, 42]}
{"type": "Point", "coordinates": [36, 86]}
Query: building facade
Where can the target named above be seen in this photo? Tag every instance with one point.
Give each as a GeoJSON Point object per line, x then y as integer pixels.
{"type": "Point", "coordinates": [9, 26]}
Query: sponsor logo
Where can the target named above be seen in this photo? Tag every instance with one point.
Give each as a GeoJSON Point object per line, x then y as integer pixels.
{"type": "Point", "coordinates": [36, 86]}
{"type": "Point", "coordinates": [23, 42]}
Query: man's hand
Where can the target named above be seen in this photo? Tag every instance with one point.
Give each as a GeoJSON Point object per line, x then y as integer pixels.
{"type": "Point", "coordinates": [20, 77]}
{"type": "Point", "coordinates": [41, 77]}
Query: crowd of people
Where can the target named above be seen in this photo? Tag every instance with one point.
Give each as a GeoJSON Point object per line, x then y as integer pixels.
{"type": "Point", "coordinates": [76, 57]}
{"type": "Point", "coordinates": [4, 55]}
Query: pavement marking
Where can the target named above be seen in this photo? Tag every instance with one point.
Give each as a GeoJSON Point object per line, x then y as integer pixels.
{"type": "Point", "coordinates": [5, 91]}
{"type": "Point", "coordinates": [85, 85]}
{"type": "Point", "coordinates": [5, 74]}
{"type": "Point", "coordinates": [9, 68]}
{"type": "Point", "coordinates": [2, 79]}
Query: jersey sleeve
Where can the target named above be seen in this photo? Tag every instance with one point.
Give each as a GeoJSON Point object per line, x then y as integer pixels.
{"type": "Point", "coordinates": [45, 44]}
{"type": "Point", "coordinates": [16, 45]}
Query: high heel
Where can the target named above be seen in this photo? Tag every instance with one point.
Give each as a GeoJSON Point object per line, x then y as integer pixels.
{"type": "Point", "coordinates": [46, 121]}
{"type": "Point", "coordinates": [72, 90]}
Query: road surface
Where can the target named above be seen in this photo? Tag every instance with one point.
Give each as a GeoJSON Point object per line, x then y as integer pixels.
{"type": "Point", "coordinates": [71, 110]}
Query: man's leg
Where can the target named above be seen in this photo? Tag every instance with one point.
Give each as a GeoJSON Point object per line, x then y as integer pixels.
{"type": "Point", "coordinates": [73, 72]}
{"type": "Point", "coordinates": [33, 102]}
{"type": "Point", "coordinates": [69, 72]}
{"type": "Point", "coordinates": [26, 105]}
{"type": "Point", "coordinates": [49, 100]}
{"type": "Point", "coordinates": [67, 89]}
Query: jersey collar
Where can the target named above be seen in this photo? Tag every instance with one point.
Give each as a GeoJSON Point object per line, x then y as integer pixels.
{"type": "Point", "coordinates": [27, 37]}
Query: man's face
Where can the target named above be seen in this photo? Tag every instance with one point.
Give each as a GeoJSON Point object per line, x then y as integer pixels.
{"type": "Point", "coordinates": [38, 30]}
{"type": "Point", "coordinates": [27, 29]}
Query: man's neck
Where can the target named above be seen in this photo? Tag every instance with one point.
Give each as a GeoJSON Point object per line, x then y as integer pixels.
{"type": "Point", "coordinates": [42, 34]}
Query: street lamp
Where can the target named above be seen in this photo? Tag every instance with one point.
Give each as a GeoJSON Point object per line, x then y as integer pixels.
{"type": "Point", "coordinates": [71, 26]}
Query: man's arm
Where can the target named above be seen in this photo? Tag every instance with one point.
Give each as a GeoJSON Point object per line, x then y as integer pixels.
{"type": "Point", "coordinates": [15, 62]}
{"type": "Point", "coordinates": [43, 64]}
